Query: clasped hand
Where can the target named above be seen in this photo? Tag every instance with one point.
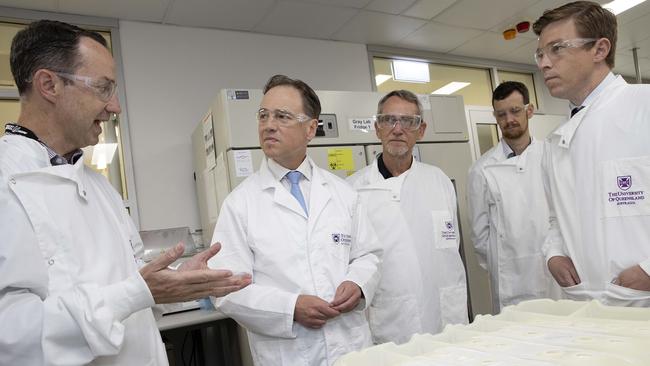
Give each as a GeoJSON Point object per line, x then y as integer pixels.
{"type": "Point", "coordinates": [313, 312]}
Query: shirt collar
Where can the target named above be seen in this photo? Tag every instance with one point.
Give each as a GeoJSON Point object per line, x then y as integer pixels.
{"type": "Point", "coordinates": [55, 159]}
{"type": "Point", "coordinates": [278, 171]}
{"type": "Point", "coordinates": [507, 150]}
{"type": "Point", "coordinates": [594, 93]}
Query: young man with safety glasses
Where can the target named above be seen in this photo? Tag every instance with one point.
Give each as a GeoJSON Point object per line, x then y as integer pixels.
{"type": "Point", "coordinates": [412, 207]}
{"type": "Point", "coordinates": [597, 164]}
{"type": "Point", "coordinates": [507, 205]}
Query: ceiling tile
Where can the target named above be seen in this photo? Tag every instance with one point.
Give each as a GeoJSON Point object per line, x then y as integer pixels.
{"type": "Point", "coordinates": [630, 34]}
{"type": "Point", "coordinates": [357, 4]}
{"type": "Point", "coordinates": [480, 14]}
{"type": "Point", "coordinates": [438, 37]}
{"type": "Point", "coordinates": [489, 45]}
{"type": "Point", "coordinates": [427, 9]}
{"type": "Point", "coordinates": [390, 6]}
{"type": "Point", "coordinates": [633, 13]}
{"type": "Point", "coordinates": [42, 5]}
{"type": "Point", "coordinates": [377, 28]}
{"type": "Point", "coordinates": [146, 10]}
{"type": "Point", "coordinates": [299, 20]}
{"type": "Point", "coordinates": [225, 14]}
{"type": "Point", "coordinates": [522, 54]}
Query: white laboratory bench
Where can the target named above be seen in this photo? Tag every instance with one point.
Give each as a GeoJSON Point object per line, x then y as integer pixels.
{"type": "Point", "coordinates": [188, 318]}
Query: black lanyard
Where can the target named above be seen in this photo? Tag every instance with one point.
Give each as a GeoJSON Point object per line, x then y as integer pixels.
{"type": "Point", "coordinates": [14, 129]}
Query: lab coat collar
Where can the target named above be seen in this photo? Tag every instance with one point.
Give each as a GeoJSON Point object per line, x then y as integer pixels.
{"type": "Point", "coordinates": [33, 149]}
{"type": "Point", "coordinates": [499, 156]}
{"type": "Point", "coordinates": [377, 181]}
{"type": "Point", "coordinates": [567, 130]}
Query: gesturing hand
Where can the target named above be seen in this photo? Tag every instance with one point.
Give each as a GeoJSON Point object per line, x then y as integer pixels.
{"type": "Point", "coordinates": [192, 281]}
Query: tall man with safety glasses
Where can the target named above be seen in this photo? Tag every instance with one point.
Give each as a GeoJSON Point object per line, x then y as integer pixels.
{"type": "Point", "coordinates": [597, 164]}
{"type": "Point", "coordinates": [508, 207]}
{"type": "Point", "coordinates": [412, 207]}
{"type": "Point", "coordinates": [302, 234]}
{"type": "Point", "coordinates": [73, 287]}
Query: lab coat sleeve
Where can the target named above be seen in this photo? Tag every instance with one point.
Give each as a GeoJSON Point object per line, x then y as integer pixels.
{"type": "Point", "coordinates": [261, 309]}
{"type": "Point", "coordinates": [72, 326]}
{"type": "Point", "coordinates": [554, 243]}
{"type": "Point", "coordinates": [365, 255]}
{"type": "Point", "coordinates": [479, 215]}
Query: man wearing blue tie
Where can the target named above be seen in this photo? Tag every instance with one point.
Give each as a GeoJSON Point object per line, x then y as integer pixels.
{"type": "Point", "coordinates": [303, 235]}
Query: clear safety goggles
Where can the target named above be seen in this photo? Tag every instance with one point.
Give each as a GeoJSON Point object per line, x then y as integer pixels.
{"type": "Point", "coordinates": [406, 121]}
{"type": "Point", "coordinates": [501, 114]}
{"type": "Point", "coordinates": [282, 116]}
{"type": "Point", "coordinates": [558, 49]}
{"type": "Point", "coordinates": [103, 88]}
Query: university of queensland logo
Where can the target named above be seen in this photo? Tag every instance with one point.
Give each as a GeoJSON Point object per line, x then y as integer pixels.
{"type": "Point", "coordinates": [624, 182]}
{"type": "Point", "coordinates": [449, 225]}
{"type": "Point", "coordinates": [336, 238]}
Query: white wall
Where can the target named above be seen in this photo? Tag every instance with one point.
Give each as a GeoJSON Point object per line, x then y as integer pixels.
{"type": "Point", "coordinates": [172, 74]}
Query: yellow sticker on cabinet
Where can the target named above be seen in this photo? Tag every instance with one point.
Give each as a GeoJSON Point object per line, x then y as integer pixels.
{"type": "Point", "coordinates": [340, 159]}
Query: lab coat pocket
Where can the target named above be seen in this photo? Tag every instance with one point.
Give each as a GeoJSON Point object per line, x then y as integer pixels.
{"type": "Point", "coordinates": [453, 305]}
{"type": "Point", "coordinates": [278, 351]}
{"type": "Point", "coordinates": [578, 292]}
{"type": "Point", "coordinates": [624, 296]}
{"type": "Point", "coordinates": [394, 318]}
{"type": "Point", "coordinates": [625, 187]}
{"type": "Point", "coordinates": [444, 232]}
{"type": "Point", "coordinates": [523, 278]}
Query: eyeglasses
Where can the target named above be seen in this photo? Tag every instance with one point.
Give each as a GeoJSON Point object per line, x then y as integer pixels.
{"type": "Point", "coordinates": [502, 114]}
{"type": "Point", "coordinates": [284, 117]}
{"type": "Point", "coordinates": [556, 50]}
{"type": "Point", "coordinates": [104, 89]}
{"type": "Point", "coordinates": [407, 121]}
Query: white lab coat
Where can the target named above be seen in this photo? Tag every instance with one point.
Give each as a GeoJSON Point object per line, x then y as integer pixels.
{"type": "Point", "coordinates": [597, 177]}
{"type": "Point", "coordinates": [70, 291]}
{"type": "Point", "coordinates": [264, 231]}
{"type": "Point", "coordinates": [509, 218]}
{"type": "Point", "coordinates": [423, 285]}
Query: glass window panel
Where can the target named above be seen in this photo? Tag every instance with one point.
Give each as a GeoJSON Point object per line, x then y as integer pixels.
{"type": "Point", "coordinates": [488, 136]}
{"type": "Point", "coordinates": [525, 78]}
{"type": "Point", "coordinates": [9, 110]}
{"type": "Point", "coordinates": [478, 92]}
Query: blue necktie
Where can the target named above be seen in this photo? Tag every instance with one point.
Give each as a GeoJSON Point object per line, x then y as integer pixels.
{"type": "Point", "coordinates": [294, 178]}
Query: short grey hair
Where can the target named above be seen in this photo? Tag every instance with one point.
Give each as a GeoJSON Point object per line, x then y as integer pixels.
{"type": "Point", "coordinates": [402, 94]}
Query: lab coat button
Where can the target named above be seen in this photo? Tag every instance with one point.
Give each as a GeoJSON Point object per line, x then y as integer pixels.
{"type": "Point", "coordinates": [84, 193]}
{"type": "Point", "coordinates": [50, 262]}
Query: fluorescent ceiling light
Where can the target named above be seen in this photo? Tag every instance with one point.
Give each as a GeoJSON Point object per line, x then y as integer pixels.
{"type": "Point", "coordinates": [451, 88]}
{"type": "Point", "coordinates": [381, 78]}
{"type": "Point", "coordinates": [411, 71]}
{"type": "Point", "coordinates": [619, 6]}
